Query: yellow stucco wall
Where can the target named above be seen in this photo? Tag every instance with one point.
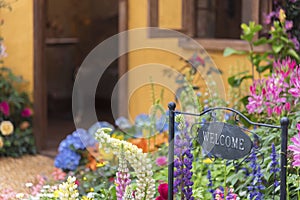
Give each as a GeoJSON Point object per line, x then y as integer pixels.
{"type": "Point", "coordinates": [17, 32]}
{"type": "Point", "coordinates": [140, 98]}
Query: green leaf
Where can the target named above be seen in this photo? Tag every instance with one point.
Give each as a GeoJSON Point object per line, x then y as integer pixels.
{"type": "Point", "coordinates": [277, 48]}
{"type": "Point", "coordinates": [260, 41]}
{"type": "Point", "coordinates": [230, 51]}
{"type": "Point", "coordinates": [294, 54]}
{"type": "Point", "coordinates": [261, 69]}
{"type": "Point", "coordinates": [285, 39]}
{"type": "Point", "coordinates": [244, 100]}
{"type": "Point", "coordinates": [236, 82]}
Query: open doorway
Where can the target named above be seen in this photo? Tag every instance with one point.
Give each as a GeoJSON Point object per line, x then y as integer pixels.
{"type": "Point", "coordinates": [73, 29]}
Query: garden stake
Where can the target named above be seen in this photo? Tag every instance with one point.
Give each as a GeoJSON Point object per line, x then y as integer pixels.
{"type": "Point", "coordinates": [283, 164]}
{"type": "Point", "coordinates": [172, 107]}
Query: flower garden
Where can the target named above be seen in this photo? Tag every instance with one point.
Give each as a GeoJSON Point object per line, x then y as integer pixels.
{"type": "Point", "coordinates": [129, 160]}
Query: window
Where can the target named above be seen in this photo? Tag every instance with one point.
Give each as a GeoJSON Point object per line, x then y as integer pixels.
{"type": "Point", "coordinates": [218, 19]}
{"type": "Point", "coordinates": [213, 23]}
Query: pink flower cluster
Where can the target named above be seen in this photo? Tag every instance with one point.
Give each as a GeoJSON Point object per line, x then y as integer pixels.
{"type": "Point", "coordinates": [219, 194]}
{"type": "Point", "coordinates": [279, 92]}
{"type": "Point", "coordinates": [7, 194]}
{"type": "Point", "coordinates": [296, 147]}
{"type": "Point", "coordinates": [35, 189]}
{"type": "Point", "coordinates": [161, 161]}
{"type": "Point", "coordinates": [58, 174]}
{"type": "Point", "coordinates": [122, 181]}
{"type": "Point", "coordinates": [4, 108]}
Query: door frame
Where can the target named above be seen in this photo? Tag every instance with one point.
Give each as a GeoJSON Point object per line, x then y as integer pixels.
{"type": "Point", "coordinates": [40, 81]}
{"type": "Point", "coordinates": [40, 119]}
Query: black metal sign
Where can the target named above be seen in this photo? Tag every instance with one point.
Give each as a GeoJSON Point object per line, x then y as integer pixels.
{"type": "Point", "coordinates": [223, 140]}
{"type": "Point", "coordinates": [226, 141]}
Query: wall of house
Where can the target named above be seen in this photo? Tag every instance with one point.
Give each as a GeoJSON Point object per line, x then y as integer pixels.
{"type": "Point", "coordinates": [169, 17]}
{"type": "Point", "coordinates": [17, 32]}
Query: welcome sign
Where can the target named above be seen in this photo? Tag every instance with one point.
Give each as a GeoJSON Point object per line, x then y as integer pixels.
{"type": "Point", "coordinates": [224, 140]}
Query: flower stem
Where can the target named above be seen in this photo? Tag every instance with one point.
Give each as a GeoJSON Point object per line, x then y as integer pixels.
{"type": "Point", "coordinates": [298, 183]}
{"type": "Point", "coordinates": [225, 178]}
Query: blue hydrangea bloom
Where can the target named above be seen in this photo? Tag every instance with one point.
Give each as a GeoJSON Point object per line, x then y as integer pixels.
{"type": "Point", "coordinates": [123, 123]}
{"type": "Point", "coordinates": [142, 120]}
{"type": "Point", "coordinates": [87, 139]}
{"type": "Point", "coordinates": [67, 160]}
{"type": "Point", "coordinates": [71, 140]}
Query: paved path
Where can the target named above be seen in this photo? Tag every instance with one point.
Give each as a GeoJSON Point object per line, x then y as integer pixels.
{"type": "Point", "coordinates": [15, 172]}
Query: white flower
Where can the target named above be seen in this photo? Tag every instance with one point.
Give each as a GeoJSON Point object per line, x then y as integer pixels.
{"type": "Point", "coordinates": [20, 195]}
{"type": "Point", "coordinates": [46, 186]}
{"type": "Point", "coordinates": [28, 185]}
{"type": "Point", "coordinates": [6, 128]}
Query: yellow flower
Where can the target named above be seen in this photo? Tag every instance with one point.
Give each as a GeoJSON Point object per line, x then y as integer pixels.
{"type": "Point", "coordinates": [6, 127]}
{"type": "Point", "coordinates": [1, 142]}
{"type": "Point", "coordinates": [56, 193]}
{"type": "Point", "coordinates": [116, 136]}
{"type": "Point", "coordinates": [282, 15]}
{"type": "Point", "coordinates": [101, 164]}
{"type": "Point", "coordinates": [208, 161]}
{"type": "Point", "coordinates": [91, 189]}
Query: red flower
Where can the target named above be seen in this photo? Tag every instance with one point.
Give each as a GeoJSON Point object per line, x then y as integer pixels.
{"type": "Point", "coordinates": [77, 182]}
{"type": "Point", "coordinates": [4, 108]}
{"type": "Point", "coordinates": [111, 179]}
{"type": "Point", "coordinates": [163, 191]}
{"type": "Point", "coordinates": [26, 112]}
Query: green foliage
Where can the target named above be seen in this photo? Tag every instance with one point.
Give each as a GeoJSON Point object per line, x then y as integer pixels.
{"type": "Point", "coordinates": [280, 47]}
{"type": "Point", "coordinates": [236, 80]}
{"type": "Point", "coordinates": [21, 140]}
{"type": "Point", "coordinates": [100, 181]}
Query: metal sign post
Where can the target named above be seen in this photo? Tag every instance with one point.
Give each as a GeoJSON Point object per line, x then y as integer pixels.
{"type": "Point", "coordinates": [226, 141]}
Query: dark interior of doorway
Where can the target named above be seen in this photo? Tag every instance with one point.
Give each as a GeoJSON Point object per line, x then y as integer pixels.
{"type": "Point", "coordinates": [73, 29]}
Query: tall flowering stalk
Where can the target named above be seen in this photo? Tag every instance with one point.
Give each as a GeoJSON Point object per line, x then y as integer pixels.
{"type": "Point", "coordinates": [210, 182]}
{"type": "Point", "coordinates": [256, 184]}
{"type": "Point", "coordinates": [123, 176]}
{"type": "Point", "coordinates": [183, 162]}
{"type": "Point", "coordinates": [274, 167]}
{"type": "Point", "coordinates": [136, 158]}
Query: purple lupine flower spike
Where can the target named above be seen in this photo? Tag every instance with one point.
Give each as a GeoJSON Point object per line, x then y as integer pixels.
{"type": "Point", "coordinates": [256, 184]}
{"type": "Point", "coordinates": [122, 178]}
{"type": "Point", "coordinates": [183, 161]}
{"type": "Point", "coordinates": [274, 165]}
{"type": "Point", "coordinates": [210, 183]}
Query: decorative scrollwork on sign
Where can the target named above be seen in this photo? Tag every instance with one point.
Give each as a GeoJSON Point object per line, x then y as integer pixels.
{"type": "Point", "coordinates": [232, 142]}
